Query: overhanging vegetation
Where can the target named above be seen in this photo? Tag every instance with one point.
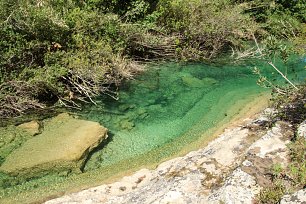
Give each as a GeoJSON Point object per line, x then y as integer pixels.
{"type": "Point", "coordinates": [67, 52]}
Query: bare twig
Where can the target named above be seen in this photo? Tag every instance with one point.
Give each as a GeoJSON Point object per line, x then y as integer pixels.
{"type": "Point", "coordinates": [270, 63]}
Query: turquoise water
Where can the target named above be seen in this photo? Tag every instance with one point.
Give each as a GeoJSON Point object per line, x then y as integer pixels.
{"type": "Point", "coordinates": [164, 110]}
{"type": "Point", "coordinates": [171, 101]}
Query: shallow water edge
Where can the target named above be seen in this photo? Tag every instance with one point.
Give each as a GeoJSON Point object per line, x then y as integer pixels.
{"type": "Point", "coordinates": [249, 110]}
{"type": "Point", "coordinates": [165, 113]}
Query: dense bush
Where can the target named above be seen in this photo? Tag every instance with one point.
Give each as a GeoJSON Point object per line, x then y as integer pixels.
{"type": "Point", "coordinates": [71, 51]}
{"type": "Point", "coordinates": [280, 18]}
{"type": "Point", "coordinates": [57, 52]}
{"type": "Point", "coordinates": [207, 27]}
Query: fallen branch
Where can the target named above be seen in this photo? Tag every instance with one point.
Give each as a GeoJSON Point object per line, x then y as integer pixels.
{"type": "Point", "coordinates": [270, 63]}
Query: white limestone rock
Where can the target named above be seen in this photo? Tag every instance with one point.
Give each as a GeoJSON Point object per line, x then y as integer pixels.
{"type": "Point", "coordinates": [301, 131]}
{"type": "Point", "coordinates": [298, 197]}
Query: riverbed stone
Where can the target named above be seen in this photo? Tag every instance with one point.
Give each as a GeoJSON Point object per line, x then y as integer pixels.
{"type": "Point", "coordinates": [31, 127]}
{"type": "Point", "coordinates": [63, 145]}
{"type": "Point", "coordinates": [194, 82]}
{"type": "Point", "coordinates": [209, 81]}
{"type": "Point", "coordinates": [127, 124]}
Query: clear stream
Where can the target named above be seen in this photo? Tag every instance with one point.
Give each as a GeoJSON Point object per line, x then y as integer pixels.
{"type": "Point", "coordinates": [173, 104]}
{"type": "Point", "coordinates": [167, 108]}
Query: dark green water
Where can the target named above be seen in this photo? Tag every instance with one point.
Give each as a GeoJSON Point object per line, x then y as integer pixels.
{"type": "Point", "coordinates": [158, 114]}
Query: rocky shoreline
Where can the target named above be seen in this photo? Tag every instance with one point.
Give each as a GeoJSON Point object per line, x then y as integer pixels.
{"type": "Point", "coordinates": [231, 169]}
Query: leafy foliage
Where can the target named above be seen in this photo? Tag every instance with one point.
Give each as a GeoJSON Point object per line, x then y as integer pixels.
{"type": "Point", "coordinates": [291, 106]}
{"type": "Point", "coordinates": [280, 18]}
{"type": "Point", "coordinates": [71, 51]}
{"type": "Point", "coordinates": [208, 27]}
{"type": "Point", "coordinates": [48, 49]}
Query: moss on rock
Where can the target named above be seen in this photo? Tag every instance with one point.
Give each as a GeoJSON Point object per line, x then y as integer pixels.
{"type": "Point", "coordinates": [63, 145]}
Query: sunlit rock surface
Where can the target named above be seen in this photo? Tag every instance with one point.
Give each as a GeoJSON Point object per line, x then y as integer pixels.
{"type": "Point", "coordinates": [31, 127]}
{"type": "Point", "coordinates": [301, 132]}
{"type": "Point", "coordinates": [298, 197]}
{"type": "Point", "coordinates": [231, 169]}
{"type": "Point", "coordinates": [63, 145]}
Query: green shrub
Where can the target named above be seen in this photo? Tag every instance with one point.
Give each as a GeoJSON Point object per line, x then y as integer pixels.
{"type": "Point", "coordinates": [207, 27]}
{"type": "Point", "coordinates": [43, 43]}
{"type": "Point", "coordinates": [47, 49]}
{"type": "Point", "coordinates": [280, 18]}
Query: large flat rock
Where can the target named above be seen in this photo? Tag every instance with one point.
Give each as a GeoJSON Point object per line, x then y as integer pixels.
{"type": "Point", "coordinates": [64, 144]}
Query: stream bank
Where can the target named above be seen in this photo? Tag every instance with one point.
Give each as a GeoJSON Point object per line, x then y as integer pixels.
{"type": "Point", "coordinates": [89, 179]}
{"type": "Point", "coordinates": [233, 168]}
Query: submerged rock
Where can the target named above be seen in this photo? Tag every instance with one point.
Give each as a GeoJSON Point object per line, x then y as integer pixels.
{"type": "Point", "coordinates": [127, 125]}
{"type": "Point", "coordinates": [209, 81]}
{"type": "Point", "coordinates": [194, 82]}
{"type": "Point", "coordinates": [63, 145]}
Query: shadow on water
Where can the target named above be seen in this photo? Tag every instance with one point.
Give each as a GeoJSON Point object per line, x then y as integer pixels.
{"type": "Point", "coordinates": [102, 145]}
